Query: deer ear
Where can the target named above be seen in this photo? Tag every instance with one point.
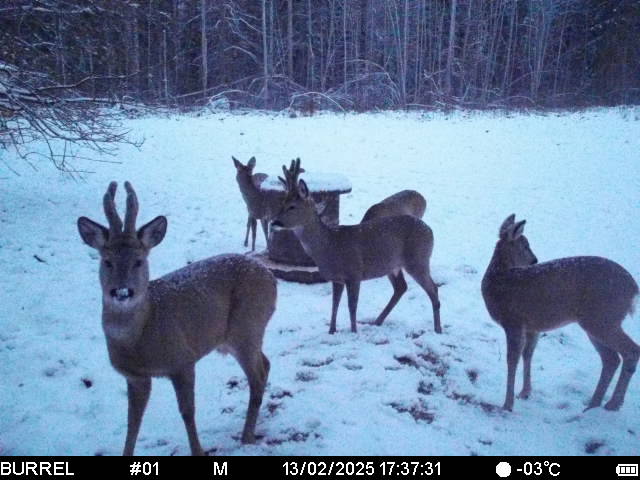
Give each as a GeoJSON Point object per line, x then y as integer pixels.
{"type": "Point", "coordinates": [252, 162]}
{"type": "Point", "coordinates": [303, 189]}
{"type": "Point", "coordinates": [92, 233]}
{"type": "Point", "coordinates": [237, 163]}
{"type": "Point", "coordinates": [517, 230]}
{"type": "Point", "coordinates": [321, 208]}
{"type": "Point", "coordinates": [153, 232]}
{"type": "Point", "coordinates": [508, 222]}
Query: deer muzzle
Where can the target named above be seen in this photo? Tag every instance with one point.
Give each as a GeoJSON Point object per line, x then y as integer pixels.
{"type": "Point", "coordinates": [121, 294]}
{"type": "Point", "coordinates": [276, 225]}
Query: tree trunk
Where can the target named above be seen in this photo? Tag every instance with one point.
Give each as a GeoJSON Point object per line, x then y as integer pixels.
{"type": "Point", "coordinates": [203, 45]}
{"type": "Point", "coordinates": [136, 53]}
{"type": "Point", "coordinates": [290, 39]}
{"type": "Point", "coordinates": [451, 49]}
{"type": "Point", "coordinates": [344, 40]}
{"type": "Point", "coordinates": [558, 57]}
{"type": "Point", "coordinates": [311, 61]}
{"type": "Point", "coordinates": [506, 78]}
{"type": "Point", "coordinates": [265, 53]}
{"type": "Point", "coordinates": [165, 79]}
{"type": "Point", "coordinates": [405, 53]}
{"type": "Point", "coordinates": [150, 85]}
{"type": "Point", "coordinates": [60, 49]}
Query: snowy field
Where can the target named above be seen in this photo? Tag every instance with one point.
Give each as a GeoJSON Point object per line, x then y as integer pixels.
{"type": "Point", "coordinates": [397, 389]}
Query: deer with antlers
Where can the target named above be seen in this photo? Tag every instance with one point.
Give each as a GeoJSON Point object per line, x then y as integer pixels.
{"type": "Point", "coordinates": [348, 255]}
{"type": "Point", "coordinates": [161, 328]}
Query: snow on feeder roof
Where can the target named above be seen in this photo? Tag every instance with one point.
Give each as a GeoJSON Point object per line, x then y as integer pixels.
{"type": "Point", "coordinates": [318, 182]}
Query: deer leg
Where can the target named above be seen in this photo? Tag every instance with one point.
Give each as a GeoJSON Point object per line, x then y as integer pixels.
{"type": "Point", "coordinates": [138, 390]}
{"type": "Point", "coordinates": [267, 365]}
{"type": "Point", "coordinates": [531, 340]}
{"type": "Point", "coordinates": [254, 224]}
{"type": "Point", "coordinates": [610, 361]}
{"type": "Point", "coordinates": [353, 291]}
{"type": "Point", "coordinates": [265, 229]}
{"type": "Point", "coordinates": [246, 237]}
{"type": "Point", "coordinates": [630, 353]}
{"type": "Point", "coordinates": [337, 295]}
{"type": "Point", "coordinates": [184, 385]}
{"type": "Point", "coordinates": [256, 367]}
{"type": "Point", "coordinates": [424, 279]}
{"type": "Point", "coordinates": [399, 287]}
{"type": "Point", "coordinates": [515, 345]}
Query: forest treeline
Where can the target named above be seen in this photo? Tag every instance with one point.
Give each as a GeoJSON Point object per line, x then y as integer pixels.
{"type": "Point", "coordinates": [347, 54]}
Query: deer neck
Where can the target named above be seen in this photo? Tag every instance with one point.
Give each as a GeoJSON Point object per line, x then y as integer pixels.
{"type": "Point", "coordinates": [247, 187]}
{"type": "Point", "coordinates": [499, 263]}
{"type": "Point", "coordinates": [123, 326]}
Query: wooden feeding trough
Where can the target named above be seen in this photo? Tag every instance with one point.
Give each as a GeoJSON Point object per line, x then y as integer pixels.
{"type": "Point", "coordinates": [285, 256]}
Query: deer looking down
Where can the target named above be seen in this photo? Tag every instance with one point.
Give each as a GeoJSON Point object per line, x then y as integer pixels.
{"type": "Point", "coordinates": [526, 298]}
{"type": "Point", "coordinates": [406, 202]}
{"type": "Point", "coordinates": [161, 328]}
{"type": "Point", "coordinates": [348, 255]}
{"type": "Point", "coordinates": [261, 204]}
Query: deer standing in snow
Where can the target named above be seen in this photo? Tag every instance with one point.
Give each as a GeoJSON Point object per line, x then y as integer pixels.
{"type": "Point", "coordinates": [406, 202]}
{"type": "Point", "coordinates": [261, 204]}
{"type": "Point", "coordinates": [526, 298]}
{"type": "Point", "coordinates": [347, 255]}
{"type": "Point", "coordinates": [161, 328]}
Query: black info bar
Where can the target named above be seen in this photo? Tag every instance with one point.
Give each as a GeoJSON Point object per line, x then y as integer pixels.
{"type": "Point", "coordinates": [320, 467]}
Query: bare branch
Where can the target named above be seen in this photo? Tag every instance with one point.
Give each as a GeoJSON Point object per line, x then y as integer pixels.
{"type": "Point", "coordinates": [35, 108]}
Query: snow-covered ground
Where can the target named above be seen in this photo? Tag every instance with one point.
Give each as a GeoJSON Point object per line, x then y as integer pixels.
{"type": "Point", "coordinates": [391, 390]}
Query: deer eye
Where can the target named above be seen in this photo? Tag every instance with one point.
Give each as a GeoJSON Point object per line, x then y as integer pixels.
{"type": "Point", "coordinates": [138, 264]}
{"type": "Point", "coordinates": [108, 264]}
{"type": "Point", "coordinates": [291, 207]}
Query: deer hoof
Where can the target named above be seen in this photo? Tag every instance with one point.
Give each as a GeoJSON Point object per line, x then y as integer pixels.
{"type": "Point", "coordinates": [591, 405]}
{"type": "Point", "coordinates": [612, 406]}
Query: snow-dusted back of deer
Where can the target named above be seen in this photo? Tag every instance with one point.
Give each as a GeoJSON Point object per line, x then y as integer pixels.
{"type": "Point", "coordinates": [163, 327]}
{"type": "Point", "coordinates": [406, 202]}
{"type": "Point", "coordinates": [347, 255]}
{"type": "Point", "coordinates": [261, 204]}
{"type": "Point", "coordinates": [526, 298]}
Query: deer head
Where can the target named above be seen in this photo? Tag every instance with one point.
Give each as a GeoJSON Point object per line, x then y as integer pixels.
{"type": "Point", "coordinates": [124, 269]}
{"type": "Point", "coordinates": [513, 246]}
{"type": "Point", "coordinates": [244, 170]}
{"type": "Point", "coordinates": [298, 206]}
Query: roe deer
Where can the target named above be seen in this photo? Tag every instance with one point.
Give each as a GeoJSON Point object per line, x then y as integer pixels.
{"type": "Point", "coordinates": [526, 298]}
{"type": "Point", "coordinates": [261, 204]}
{"type": "Point", "coordinates": [347, 255]}
{"type": "Point", "coordinates": [163, 327]}
{"type": "Point", "coordinates": [406, 202]}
